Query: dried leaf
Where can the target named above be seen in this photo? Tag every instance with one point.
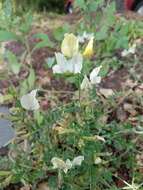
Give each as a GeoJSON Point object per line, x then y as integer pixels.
{"type": "Point", "coordinates": [43, 186]}
{"type": "Point", "coordinates": [106, 92]}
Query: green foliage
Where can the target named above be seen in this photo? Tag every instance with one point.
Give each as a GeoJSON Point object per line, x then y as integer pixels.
{"type": "Point", "coordinates": [7, 36]}
{"type": "Point", "coordinates": [45, 41]}
{"type": "Point", "coordinates": [13, 62]}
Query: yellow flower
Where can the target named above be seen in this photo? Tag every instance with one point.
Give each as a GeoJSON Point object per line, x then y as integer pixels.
{"type": "Point", "coordinates": [88, 52]}
{"type": "Point", "coordinates": [70, 45]}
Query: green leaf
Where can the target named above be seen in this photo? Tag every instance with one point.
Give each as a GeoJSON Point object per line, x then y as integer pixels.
{"type": "Point", "coordinates": [31, 79]}
{"type": "Point", "coordinates": [45, 41]}
{"type": "Point", "coordinates": [38, 117]}
{"type": "Point", "coordinates": [7, 36]}
{"type": "Point", "coordinates": [60, 31]}
{"type": "Point", "coordinates": [13, 63]}
{"type": "Point", "coordinates": [5, 173]}
{"type": "Point", "coordinates": [23, 88]}
{"type": "Point", "coordinates": [102, 33]}
{"type": "Point", "coordinates": [27, 23]}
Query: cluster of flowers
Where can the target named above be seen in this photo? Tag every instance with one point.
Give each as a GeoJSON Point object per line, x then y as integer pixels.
{"type": "Point", "coordinates": [69, 61]}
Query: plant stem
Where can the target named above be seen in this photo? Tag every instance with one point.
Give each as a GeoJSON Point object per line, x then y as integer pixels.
{"type": "Point", "coordinates": [79, 90]}
{"type": "Point", "coordinates": [59, 179]}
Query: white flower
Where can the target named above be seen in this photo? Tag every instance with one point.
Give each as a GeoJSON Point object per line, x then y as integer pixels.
{"type": "Point", "coordinates": [85, 84]}
{"type": "Point", "coordinates": [97, 160]}
{"type": "Point", "coordinates": [60, 164]}
{"type": "Point", "coordinates": [73, 65]}
{"type": "Point", "coordinates": [94, 79]}
{"type": "Point", "coordinates": [77, 161]}
{"type": "Point", "coordinates": [29, 101]}
{"type": "Point", "coordinates": [66, 165]}
{"type": "Point", "coordinates": [131, 50]}
{"type": "Point", "coordinates": [85, 36]}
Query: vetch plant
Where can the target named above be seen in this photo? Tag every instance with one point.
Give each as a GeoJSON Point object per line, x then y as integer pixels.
{"type": "Point", "coordinates": [70, 60]}
{"type": "Point", "coordinates": [85, 36]}
{"type": "Point", "coordinates": [66, 165]}
{"type": "Point", "coordinates": [73, 65]}
{"type": "Point", "coordinates": [131, 50]}
{"type": "Point", "coordinates": [94, 79]}
{"type": "Point", "coordinates": [85, 84]}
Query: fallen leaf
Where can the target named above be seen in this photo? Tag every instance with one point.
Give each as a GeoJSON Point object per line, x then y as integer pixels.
{"type": "Point", "coordinates": [43, 186]}
{"type": "Point", "coordinates": [130, 109]}
{"type": "Point", "coordinates": [27, 187]}
{"type": "Point", "coordinates": [121, 114]}
{"type": "Point", "coordinates": [106, 92]}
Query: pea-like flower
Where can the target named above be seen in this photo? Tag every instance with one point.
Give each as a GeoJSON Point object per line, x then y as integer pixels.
{"type": "Point", "coordinates": [85, 36]}
{"type": "Point", "coordinates": [88, 52]}
{"type": "Point", "coordinates": [86, 84]}
{"type": "Point", "coordinates": [66, 165]}
{"type": "Point", "coordinates": [94, 75]}
{"type": "Point", "coordinates": [94, 79]}
{"type": "Point", "coordinates": [29, 101]}
{"type": "Point", "coordinates": [70, 45]}
{"type": "Point", "coordinates": [131, 50]}
{"type": "Point", "coordinates": [73, 65]}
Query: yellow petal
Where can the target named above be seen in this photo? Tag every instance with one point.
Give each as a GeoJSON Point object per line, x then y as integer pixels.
{"type": "Point", "coordinates": [70, 45]}
{"type": "Point", "coordinates": [88, 52]}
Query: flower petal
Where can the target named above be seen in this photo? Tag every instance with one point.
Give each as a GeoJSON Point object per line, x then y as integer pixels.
{"type": "Point", "coordinates": [94, 78]}
{"type": "Point", "coordinates": [58, 163]}
{"type": "Point", "coordinates": [29, 101]}
{"type": "Point", "coordinates": [85, 84]}
{"type": "Point", "coordinates": [70, 45]}
{"type": "Point", "coordinates": [88, 52]}
{"type": "Point", "coordinates": [73, 65]}
{"type": "Point", "coordinates": [77, 161]}
{"type": "Point", "coordinates": [76, 64]}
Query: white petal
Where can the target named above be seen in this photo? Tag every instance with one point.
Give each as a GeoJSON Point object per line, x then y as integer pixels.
{"type": "Point", "coordinates": [85, 83]}
{"type": "Point", "coordinates": [97, 160]}
{"type": "Point", "coordinates": [61, 64]}
{"type": "Point", "coordinates": [76, 63]}
{"type": "Point", "coordinates": [124, 53]}
{"type": "Point", "coordinates": [94, 78]}
{"type": "Point", "coordinates": [29, 101]}
{"type": "Point", "coordinates": [57, 69]}
{"type": "Point", "coordinates": [77, 160]}
{"type": "Point", "coordinates": [131, 50]}
{"type": "Point", "coordinates": [33, 93]}
{"type": "Point", "coordinates": [81, 39]}
{"type": "Point", "coordinates": [58, 163]}
{"type": "Point", "coordinates": [73, 65]}
{"type": "Point", "coordinates": [60, 58]}
{"type": "Point", "coordinates": [68, 164]}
